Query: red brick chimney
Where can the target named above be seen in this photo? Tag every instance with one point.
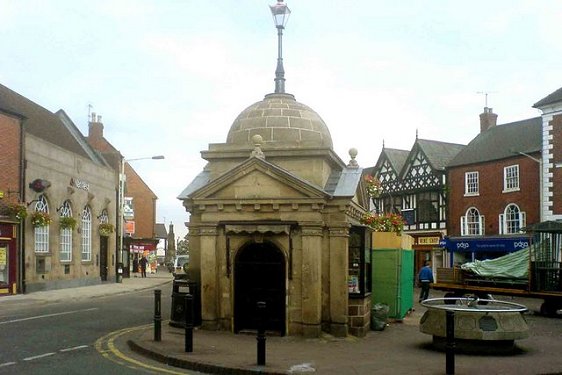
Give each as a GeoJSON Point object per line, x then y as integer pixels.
{"type": "Point", "coordinates": [95, 132]}
{"type": "Point", "coordinates": [488, 119]}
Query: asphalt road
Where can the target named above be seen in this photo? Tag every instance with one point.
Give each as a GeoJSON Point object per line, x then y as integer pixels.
{"type": "Point", "coordinates": [71, 337]}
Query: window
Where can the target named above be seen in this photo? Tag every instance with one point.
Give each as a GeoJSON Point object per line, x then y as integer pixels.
{"type": "Point", "coordinates": [512, 220]}
{"type": "Point", "coordinates": [66, 235]}
{"type": "Point", "coordinates": [471, 183]}
{"type": "Point", "coordinates": [41, 233]}
{"type": "Point", "coordinates": [472, 224]}
{"type": "Point", "coordinates": [511, 178]}
{"type": "Point", "coordinates": [359, 275]}
{"type": "Point", "coordinates": [428, 207]}
{"type": "Point", "coordinates": [86, 227]}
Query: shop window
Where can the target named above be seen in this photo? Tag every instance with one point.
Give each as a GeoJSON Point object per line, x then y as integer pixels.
{"type": "Point", "coordinates": [359, 274]}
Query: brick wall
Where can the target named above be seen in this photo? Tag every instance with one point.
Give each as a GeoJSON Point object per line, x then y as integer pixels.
{"type": "Point", "coordinates": [10, 136]}
{"type": "Point", "coordinates": [491, 201]}
{"type": "Point", "coordinates": [144, 202]}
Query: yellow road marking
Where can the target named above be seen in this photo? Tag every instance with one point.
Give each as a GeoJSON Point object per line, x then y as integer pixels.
{"type": "Point", "coordinates": [112, 350]}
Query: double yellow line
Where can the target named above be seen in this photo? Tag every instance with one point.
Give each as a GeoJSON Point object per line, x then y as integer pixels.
{"type": "Point", "coordinates": [105, 345]}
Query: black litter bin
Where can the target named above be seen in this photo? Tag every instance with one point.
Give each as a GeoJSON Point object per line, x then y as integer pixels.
{"type": "Point", "coordinates": [180, 288]}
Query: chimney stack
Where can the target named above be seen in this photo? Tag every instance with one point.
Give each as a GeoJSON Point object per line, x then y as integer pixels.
{"type": "Point", "coordinates": [95, 128]}
{"type": "Point", "coordinates": [488, 119]}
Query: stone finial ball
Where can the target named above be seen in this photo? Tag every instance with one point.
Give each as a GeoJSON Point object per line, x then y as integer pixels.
{"type": "Point", "coordinates": [353, 152]}
{"type": "Point", "coordinates": [257, 139]}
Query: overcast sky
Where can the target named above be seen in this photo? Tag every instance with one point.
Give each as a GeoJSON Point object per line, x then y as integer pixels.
{"type": "Point", "coordinates": [170, 76]}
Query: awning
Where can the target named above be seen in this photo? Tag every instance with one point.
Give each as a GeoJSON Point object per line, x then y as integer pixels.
{"type": "Point", "coordinates": [484, 244]}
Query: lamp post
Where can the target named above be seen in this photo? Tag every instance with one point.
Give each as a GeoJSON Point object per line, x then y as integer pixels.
{"type": "Point", "coordinates": [280, 12]}
{"type": "Point", "coordinates": [121, 205]}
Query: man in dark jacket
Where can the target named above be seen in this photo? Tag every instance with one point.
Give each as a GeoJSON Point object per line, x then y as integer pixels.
{"type": "Point", "coordinates": [143, 263]}
{"type": "Point", "coordinates": [425, 278]}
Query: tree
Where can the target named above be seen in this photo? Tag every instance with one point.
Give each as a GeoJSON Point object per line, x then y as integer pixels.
{"type": "Point", "coordinates": [182, 247]}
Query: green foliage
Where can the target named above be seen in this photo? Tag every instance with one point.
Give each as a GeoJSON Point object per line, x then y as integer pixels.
{"type": "Point", "coordinates": [67, 222]}
{"type": "Point", "coordinates": [40, 219]}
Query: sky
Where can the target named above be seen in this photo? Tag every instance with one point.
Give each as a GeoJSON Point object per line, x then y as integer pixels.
{"type": "Point", "coordinates": [169, 77]}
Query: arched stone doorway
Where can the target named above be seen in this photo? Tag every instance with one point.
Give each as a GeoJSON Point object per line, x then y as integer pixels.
{"type": "Point", "coordinates": [259, 275]}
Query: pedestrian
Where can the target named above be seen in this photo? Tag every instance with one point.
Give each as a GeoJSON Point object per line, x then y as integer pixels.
{"type": "Point", "coordinates": [425, 278]}
{"type": "Point", "coordinates": [136, 264]}
{"type": "Point", "coordinates": [143, 263]}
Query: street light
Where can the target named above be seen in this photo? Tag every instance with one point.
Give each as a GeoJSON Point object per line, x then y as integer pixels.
{"type": "Point", "coordinates": [539, 161]}
{"type": "Point", "coordinates": [121, 204]}
{"type": "Point", "coordinates": [280, 12]}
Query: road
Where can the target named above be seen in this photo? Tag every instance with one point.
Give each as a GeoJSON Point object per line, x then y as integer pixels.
{"type": "Point", "coordinates": [60, 338]}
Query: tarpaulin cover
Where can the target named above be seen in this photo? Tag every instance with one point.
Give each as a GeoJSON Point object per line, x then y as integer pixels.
{"type": "Point", "coordinates": [513, 266]}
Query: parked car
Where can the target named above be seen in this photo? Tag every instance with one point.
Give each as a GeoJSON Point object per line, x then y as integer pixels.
{"type": "Point", "coordinates": [180, 265]}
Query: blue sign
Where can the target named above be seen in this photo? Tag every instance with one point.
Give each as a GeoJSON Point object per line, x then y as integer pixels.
{"type": "Point", "coordinates": [472, 244]}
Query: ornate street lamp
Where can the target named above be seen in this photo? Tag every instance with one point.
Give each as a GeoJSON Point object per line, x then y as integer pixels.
{"type": "Point", "coordinates": [280, 12]}
{"type": "Point", "coordinates": [121, 205]}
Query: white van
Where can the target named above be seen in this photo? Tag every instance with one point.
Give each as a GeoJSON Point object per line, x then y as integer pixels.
{"type": "Point", "coordinates": [180, 265]}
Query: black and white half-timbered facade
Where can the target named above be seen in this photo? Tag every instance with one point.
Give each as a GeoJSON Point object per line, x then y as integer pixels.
{"type": "Point", "coordinates": [414, 185]}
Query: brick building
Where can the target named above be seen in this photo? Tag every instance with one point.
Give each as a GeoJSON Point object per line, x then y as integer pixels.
{"type": "Point", "coordinates": [140, 218]}
{"type": "Point", "coordinates": [551, 186]}
{"type": "Point", "coordinates": [494, 190]}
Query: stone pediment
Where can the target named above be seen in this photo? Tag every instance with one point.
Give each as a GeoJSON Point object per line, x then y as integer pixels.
{"type": "Point", "coordinates": [258, 179]}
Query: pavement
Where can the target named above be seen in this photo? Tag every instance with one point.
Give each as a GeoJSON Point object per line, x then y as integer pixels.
{"type": "Point", "coordinates": [399, 349]}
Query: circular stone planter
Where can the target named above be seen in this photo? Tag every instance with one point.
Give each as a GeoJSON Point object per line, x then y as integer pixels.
{"type": "Point", "coordinates": [481, 325]}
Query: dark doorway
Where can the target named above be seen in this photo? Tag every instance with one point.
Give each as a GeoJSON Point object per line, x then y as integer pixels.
{"type": "Point", "coordinates": [103, 258]}
{"type": "Point", "coordinates": [259, 275]}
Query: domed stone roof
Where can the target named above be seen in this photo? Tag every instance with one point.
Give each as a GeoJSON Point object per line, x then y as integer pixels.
{"type": "Point", "coordinates": [281, 121]}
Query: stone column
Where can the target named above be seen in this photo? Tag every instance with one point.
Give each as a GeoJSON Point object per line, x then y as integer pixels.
{"type": "Point", "coordinates": [312, 280]}
{"type": "Point", "coordinates": [338, 280]}
{"type": "Point", "coordinates": [209, 276]}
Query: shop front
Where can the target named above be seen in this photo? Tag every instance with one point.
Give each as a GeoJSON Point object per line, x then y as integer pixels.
{"type": "Point", "coordinates": [8, 259]}
{"type": "Point", "coordinates": [468, 249]}
{"type": "Point", "coordinates": [136, 250]}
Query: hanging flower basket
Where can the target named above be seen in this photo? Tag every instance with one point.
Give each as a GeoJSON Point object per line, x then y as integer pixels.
{"type": "Point", "coordinates": [17, 210]}
{"type": "Point", "coordinates": [384, 222]}
{"type": "Point", "coordinates": [67, 222]}
{"type": "Point", "coordinates": [373, 185]}
{"type": "Point", "coordinates": [40, 219]}
{"type": "Point", "coordinates": [106, 229]}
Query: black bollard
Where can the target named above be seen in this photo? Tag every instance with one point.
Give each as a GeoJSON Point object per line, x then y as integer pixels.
{"type": "Point", "coordinates": [450, 345]}
{"type": "Point", "coordinates": [188, 323]}
{"type": "Point", "coordinates": [261, 333]}
{"type": "Point", "coordinates": [157, 315]}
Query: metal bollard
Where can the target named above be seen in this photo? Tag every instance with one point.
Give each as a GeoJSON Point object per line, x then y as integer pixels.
{"type": "Point", "coordinates": [450, 345]}
{"type": "Point", "coordinates": [261, 333]}
{"type": "Point", "coordinates": [157, 315]}
{"type": "Point", "coordinates": [188, 323]}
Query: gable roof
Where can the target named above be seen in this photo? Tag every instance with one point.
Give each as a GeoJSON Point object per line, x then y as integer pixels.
{"type": "Point", "coordinates": [39, 121]}
{"type": "Point", "coordinates": [556, 96]}
{"type": "Point", "coordinates": [439, 154]}
{"type": "Point", "coordinates": [502, 141]}
{"type": "Point", "coordinates": [397, 158]}
{"type": "Point", "coordinates": [160, 231]}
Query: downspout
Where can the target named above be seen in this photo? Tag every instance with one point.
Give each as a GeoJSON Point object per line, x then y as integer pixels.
{"type": "Point", "coordinates": [21, 264]}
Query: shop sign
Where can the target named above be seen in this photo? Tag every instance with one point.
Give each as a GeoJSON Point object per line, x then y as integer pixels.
{"type": "Point", "coordinates": [128, 208]}
{"type": "Point", "coordinates": [130, 227]}
{"type": "Point", "coordinates": [80, 184]}
{"type": "Point", "coordinates": [429, 240]}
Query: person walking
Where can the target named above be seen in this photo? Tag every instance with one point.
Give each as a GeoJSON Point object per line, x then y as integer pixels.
{"type": "Point", "coordinates": [143, 263]}
{"type": "Point", "coordinates": [425, 278]}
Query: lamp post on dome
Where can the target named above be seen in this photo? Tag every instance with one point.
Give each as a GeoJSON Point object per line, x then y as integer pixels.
{"type": "Point", "coordinates": [121, 206]}
{"type": "Point", "coordinates": [280, 12]}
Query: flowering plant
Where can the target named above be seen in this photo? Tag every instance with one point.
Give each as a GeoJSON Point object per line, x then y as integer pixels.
{"type": "Point", "coordinates": [18, 210]}
{"type": "Point", "coordinates": [384, 222]}
{"type": "Point", "coordinates": [374, 187]}
{"type": "Point", "coordinates": [40, 219]}
{"type": "Point", "coordinates": [105, 229]}
{"type": "Point", "coordinates": [67, 222]}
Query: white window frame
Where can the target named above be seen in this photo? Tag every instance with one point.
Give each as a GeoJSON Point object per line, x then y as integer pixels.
{"type": "Point", "coordinates": [511, 178]}
{"type": "Point", "coordinates": [472, 223]}
{"type": "Point", "coordinates": [512, 220]}
{"type": "Point", "coordinates": [471, 183]}
{"type": "Point", "coordinates": [66, 235]}
{"type": "Point", "coordinates": [41, 234]}
{"type": "Point", "coordinates": [86, 231]}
